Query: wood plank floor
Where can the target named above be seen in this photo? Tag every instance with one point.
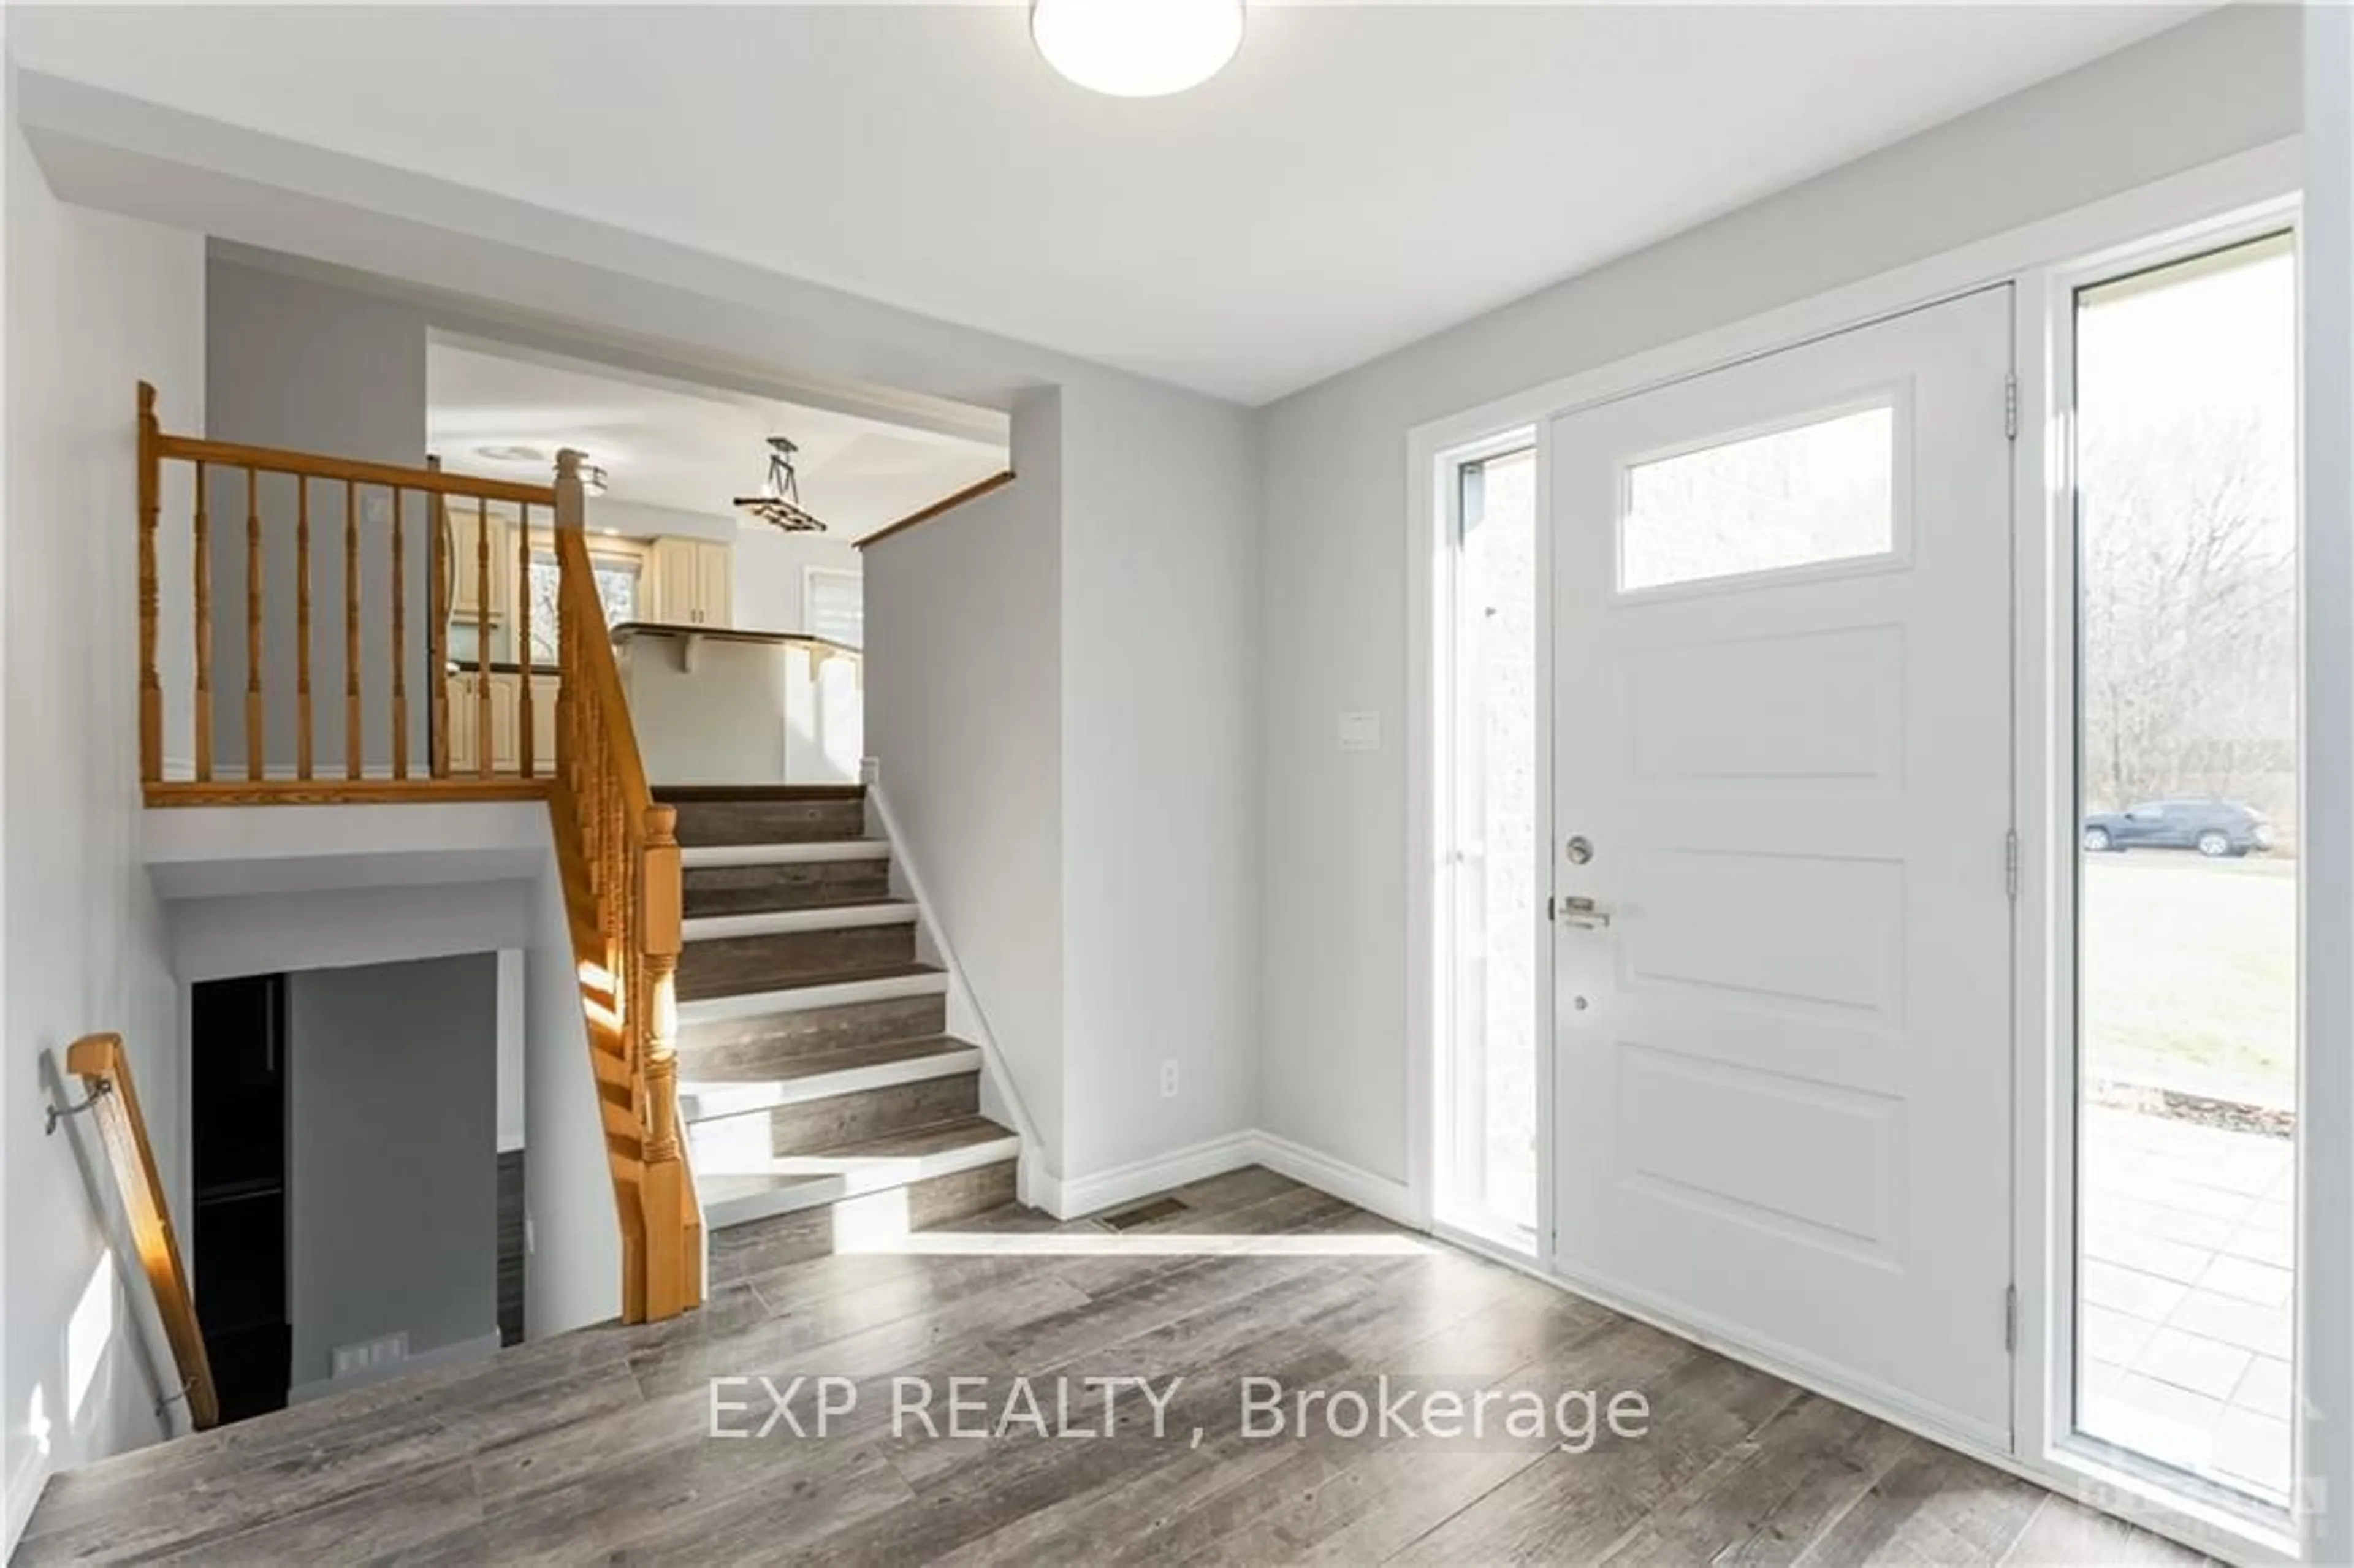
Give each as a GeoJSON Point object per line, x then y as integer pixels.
{"type": "Point", "coordinates": [595, 1445]}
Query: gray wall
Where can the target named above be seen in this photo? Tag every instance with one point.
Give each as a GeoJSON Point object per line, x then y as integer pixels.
{"type": "Point", "coordinates": [94, 303]}
{"type": "Point", "coordinates": [1161, 681]}
{"type": "Point", "coordinates": [572, 1275]}
{"type": "Point", "coordinates": [964, 671]}
{"type": "Point", "coordinates": [1333, 597]}
{"type": "Point", "coordinates": [1061, 687]}
{"type": "Point", "coordinates": [392, 1167]}
{"type": "Point", "coordinates": [292, 363]}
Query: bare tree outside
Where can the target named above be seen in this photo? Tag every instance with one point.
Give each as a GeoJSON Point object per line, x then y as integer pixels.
{"type": "Point", "coordinates": [2189, 591]}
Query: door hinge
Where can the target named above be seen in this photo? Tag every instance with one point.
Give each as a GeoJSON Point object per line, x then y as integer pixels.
{"type": "Point", "coordinates": [2011, 1317]}
{"type": "Point", "coordinates": [2010, 405]}
{"type": "Point", "coordinates": [2010, 864]}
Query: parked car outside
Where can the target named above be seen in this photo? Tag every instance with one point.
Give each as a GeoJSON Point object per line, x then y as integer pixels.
{"type": "Point", "coordinates": [2213, 828]}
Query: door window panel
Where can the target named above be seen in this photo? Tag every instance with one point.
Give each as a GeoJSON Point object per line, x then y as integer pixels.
{"type": "Point", "coordinates": [1819, 491]}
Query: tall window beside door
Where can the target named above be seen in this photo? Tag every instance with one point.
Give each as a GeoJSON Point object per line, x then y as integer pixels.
{"type": "Point", "coordinates": [2187, 876]}
{"type": "Point", "coordinates": [1488, 1133]}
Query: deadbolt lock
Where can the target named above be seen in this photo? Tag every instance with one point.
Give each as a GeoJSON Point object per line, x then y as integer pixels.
{"type": "Point", "coordinates": [1580, 850]}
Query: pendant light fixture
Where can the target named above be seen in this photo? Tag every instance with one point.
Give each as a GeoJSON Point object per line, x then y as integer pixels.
{"type": "Point", "coordinates": [1137, 48]}
{"type": "Point", "coordinates": [778, 504]}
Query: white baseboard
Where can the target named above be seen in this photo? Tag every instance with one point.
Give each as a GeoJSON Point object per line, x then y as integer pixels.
{"type": "Point", "coordinates": [1069, 1198]}
{"type": "Point", "coordinates": [472, 1349]}
{"type": "Point", "coordinates": [24, 1492]}
{"type": "Point", "coordinates": [1391, 1200]}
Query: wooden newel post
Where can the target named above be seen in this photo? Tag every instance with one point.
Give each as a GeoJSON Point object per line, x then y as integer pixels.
{"type": "Point", "coordinates": [671, 1282]}
{"type": "Point", "coordinates": [150, 507]}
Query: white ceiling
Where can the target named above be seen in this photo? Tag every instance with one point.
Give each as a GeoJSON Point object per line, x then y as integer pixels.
{"type": "Point", "coordinates": [684, 448]}
{"type": "Point", "coordinates": [1362, 174]}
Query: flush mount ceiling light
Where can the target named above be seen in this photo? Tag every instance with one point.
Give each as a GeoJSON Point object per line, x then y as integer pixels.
{"type": "Point", "coordinates": [778, 504]}
{"type": "Point", "coordinates": [1137, 48]}
{"type": "Point", "coordinates": [593, 478]}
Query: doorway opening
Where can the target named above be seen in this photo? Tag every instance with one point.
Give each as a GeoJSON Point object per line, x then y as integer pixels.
{"type": "Point", "coordinates": [2185, 870]}
{"type": "Point", "coordinates": [1491, 922]}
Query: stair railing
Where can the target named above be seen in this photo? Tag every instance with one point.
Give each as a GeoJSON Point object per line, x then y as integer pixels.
{"type": "Point", "coordinates": [99, 1061]}
{"type": "Point", "coordinates": [616, 848]}
{"type": "Point", "coordinates": [372, 541]}
{"type": "Point", "coordinates": [623, 880]}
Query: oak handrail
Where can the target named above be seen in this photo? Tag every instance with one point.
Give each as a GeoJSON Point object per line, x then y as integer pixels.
{"type": "Point", "coordinates": [625, 891]}
{"type": "Point", "coordinates": [945, 504]}
{"type": "Point", "coordinates": [383, 475]}
{"type": "Point", "coordinates": [99, 1062]}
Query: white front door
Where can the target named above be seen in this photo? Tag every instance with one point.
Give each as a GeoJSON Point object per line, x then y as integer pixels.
{"type": "Point", "coordinates": [1782, 771]}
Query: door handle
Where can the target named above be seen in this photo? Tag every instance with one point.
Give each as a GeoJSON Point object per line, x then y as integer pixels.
{"type": "Point", "coordinates": [1582, 912]}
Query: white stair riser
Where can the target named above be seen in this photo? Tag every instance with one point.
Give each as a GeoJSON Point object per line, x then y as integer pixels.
{"type": "Point", "coordinates": [870, 1180]}
{"type": "Point", "coordinates": [784, 922]}
{"type": "Point", "coordinates": [701, 856]}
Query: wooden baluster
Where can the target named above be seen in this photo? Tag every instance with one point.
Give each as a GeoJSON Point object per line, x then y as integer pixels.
{"type": "Point", "coordinates": [584, 802]}
{"type": "Point", "coordinates": [670, 1288]}
{"type": "Point", "coordinates": [615, 877]}
{"type": "Point", "coordinates": [608, 886]}
{"type": "Point", "coordinates": [571, 517]}
{"type": "Point", "coordinates": [352, 734]}
{"type": "Point", "coordinates": [253, 735]}
{"type": "Point", "coordinates": [302, 626]}
{"type": "Point", "coordinates": [568, 758]}
{"type": "Point", "coordinates": [204, 586]}
{"type": "Point", "coordinates": [399, 641]}
{"type": "Point", "coordinates": [482, 637]}
{"type": "Point", "coordinates": [525, 655]}
{"type": "Point", "coordinates": [151, 595]}
{"type": "Point", "coordinates": [437, 652]}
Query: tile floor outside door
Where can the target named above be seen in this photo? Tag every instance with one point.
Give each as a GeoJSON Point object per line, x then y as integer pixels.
{"type": "Point", "coordinates": [2187, 1235]}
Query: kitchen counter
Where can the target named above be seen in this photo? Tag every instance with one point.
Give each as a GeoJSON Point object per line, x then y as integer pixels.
{"type": "Point", "coordinates": [723, 704]}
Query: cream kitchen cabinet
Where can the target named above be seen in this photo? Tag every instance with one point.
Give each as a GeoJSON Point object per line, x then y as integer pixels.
{"type": "Point", "coordinates": [467, 737]}
{"type": "Point", "coordinates": [543, 688]}
{"type": "Point", "coordinates": [692, 582]}
{"type": "Point", "coordinates": [506, 689]}
{"type": "Point", "coordinates": [468, 588]}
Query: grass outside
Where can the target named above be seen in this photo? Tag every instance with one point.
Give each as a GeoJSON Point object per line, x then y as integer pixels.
{"type": "Point", "coordinates": [2190, 974]}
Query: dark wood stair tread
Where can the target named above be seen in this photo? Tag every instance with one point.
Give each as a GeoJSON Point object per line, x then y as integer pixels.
{"type": "Point", "coordinates": [961, 1132]}
{"type": "Point", "coordinates": [815, 1065]}
{"type": "Point", "coordinates": [811, 981]}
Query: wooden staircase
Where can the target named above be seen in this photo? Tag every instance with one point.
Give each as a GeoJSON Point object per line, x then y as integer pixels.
{"type": "Point", "coordinates": [818, 1084]}
{"type": "Point", "coordinates": [753, 993]}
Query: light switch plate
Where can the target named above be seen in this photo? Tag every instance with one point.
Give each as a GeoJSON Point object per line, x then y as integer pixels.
{"type": "Point", "coordinates": [1360, 729]}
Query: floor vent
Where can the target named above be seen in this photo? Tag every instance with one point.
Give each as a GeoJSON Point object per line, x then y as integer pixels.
{"type": "Point", "coordinates": [1142, 1214]}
